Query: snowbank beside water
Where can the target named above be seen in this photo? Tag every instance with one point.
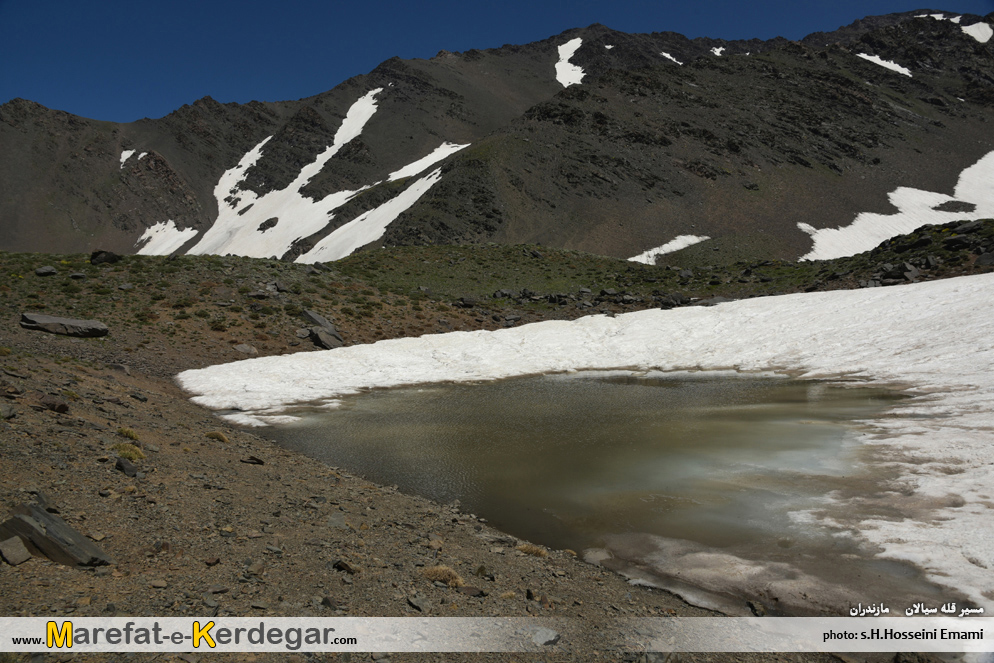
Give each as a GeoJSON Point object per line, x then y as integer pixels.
{"type": "Point", "coordinates": [935, 337]}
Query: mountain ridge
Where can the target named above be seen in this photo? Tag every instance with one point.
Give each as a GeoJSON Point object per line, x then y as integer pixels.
{"type": "Point", "coordinates": [67, 186]}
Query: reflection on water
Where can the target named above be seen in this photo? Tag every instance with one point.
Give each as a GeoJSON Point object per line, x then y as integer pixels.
{"type": "Point", "coordinates": [575, 461]}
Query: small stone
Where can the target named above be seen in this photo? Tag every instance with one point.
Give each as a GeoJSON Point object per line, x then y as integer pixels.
{"type": "Point", "coordinates": [126, 466]}
{"type": "Point", "coordinates": [246, 349]}
{"type": "Point", "coordinates": [47, 270]}
{"type": "Point", "coordinates": [545, 637]}
{"type": "Point", "coordinates": [77, 276]}
{"type": "Point", "coordinates": [158, 584]}
{"type": "Point", "coordinates": [342, 565]}
{"type": "Point", "coordinates": [337, 521]}
{"type": "Point", "coordinates": [260, 605]}
{"type": "Point", "coordinates": [7, 411]}
{"type": "Point", "coordinates": [54, 404]}
{"type": "Point", "coordinates": [14, 551]}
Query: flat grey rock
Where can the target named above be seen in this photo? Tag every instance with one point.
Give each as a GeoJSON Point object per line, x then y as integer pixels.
{"type": "Point", "coordinates": [64, 326]}
{"type": "Point", "coordinates": [545, 637]}
{"type": "Point", "coordinates": [13, 551]}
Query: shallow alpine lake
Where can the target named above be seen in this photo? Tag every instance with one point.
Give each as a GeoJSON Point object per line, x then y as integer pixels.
{"type": "Point", "coordinates": [714, 485]}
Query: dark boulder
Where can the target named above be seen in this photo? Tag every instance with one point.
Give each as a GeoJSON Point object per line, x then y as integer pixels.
{"type": "Point", "coordinates": [103, 257]}
{"type": "Point", "coordinates": [126, 466]}
{"type": "Point", "coordinates": [64, 326]}
{"type": "Point", "coordinates": [54, 403]}
{"type": "Point", "coordinates": [957, 243]}
{"type": "Point", "coordinates": [47, 270]}
{"type": "Point", "coordinates": [50, 536]}
{"type": "Point", "coordinates": [323, 333]}
{"type": "Point", "coordinates": [324, 339]}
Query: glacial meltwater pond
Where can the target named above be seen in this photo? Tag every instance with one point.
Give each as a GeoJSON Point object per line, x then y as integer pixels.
{"type": "Point", "coordinates": [692, 481]}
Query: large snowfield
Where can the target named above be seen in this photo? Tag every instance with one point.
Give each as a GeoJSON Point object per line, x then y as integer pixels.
{"type": "Point", "coordinates": [933, 338]}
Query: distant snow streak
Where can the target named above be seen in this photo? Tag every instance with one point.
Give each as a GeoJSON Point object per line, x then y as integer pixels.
{"type": "Point", "coordinates": [125, 155]}
{"type": "Point", "coordinates": [142, 155]}
{"type": "Point", "coordinates": [675, 244]}
{"type": "Point", "coordinates": [915, 209]}
{"type": "Point", "coordinates": [368, 226]}
{"type": "Point", "coordinates": [568, 74]}
{"type": "Point", "coordinates": [164, 238]}
{"type": "Point", "coordinates": [442, 151]}
{"type": "Point", "coordinates": [609, 46]}
{"type": "Point", "coordinates": [240, 213]}
{"type": "Point", "coordinates": [982, 32]}
{"type": "Point", "coordinates": [718, 50]}
{"type": "Point", "coordinates": [887, 64]}
{"type": "Point", "coordinates": [670, 57]}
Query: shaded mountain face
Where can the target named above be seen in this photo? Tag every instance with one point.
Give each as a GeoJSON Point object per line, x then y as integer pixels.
{"type": "Point", "coordinates": [595, 140]}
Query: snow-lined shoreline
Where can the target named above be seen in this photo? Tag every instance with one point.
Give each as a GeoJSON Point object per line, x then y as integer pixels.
{"type": "Point", "coordinates": [932, 337]}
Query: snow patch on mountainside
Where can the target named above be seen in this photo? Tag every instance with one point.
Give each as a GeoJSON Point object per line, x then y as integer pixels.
{"type": "Point", "coordinates": [934, 337]}
{"type": "Point", "coordinates": [268, 225]}
{"type": "Point", "coordinates": [442, 151]}
{"type": "Point", "coordinates": [163, 238]}
{"type": "Point", "coordinates": [675, 244]}
{"type": "Point", "coordinates": [125, 155]}
{"type": "Point", "coordinates": [915, 209]}
{"type": "Point", "coordinates": [982, 32]}
{"type": "Point", "coordinates": [718, 50]}
{"type": "Point", "coordinates": [568, 74]}
{"type": "Point", "coordinates": [368, 226]}
{"type": "Point", "coordinates": [670, 57]}
{"type": "Point", "coordinates": [887, 64]}
{"type": "Point", "coordinates": [241, 213]}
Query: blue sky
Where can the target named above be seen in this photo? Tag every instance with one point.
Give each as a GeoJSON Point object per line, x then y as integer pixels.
{"type": "Point", "coordinates": [121, 61]}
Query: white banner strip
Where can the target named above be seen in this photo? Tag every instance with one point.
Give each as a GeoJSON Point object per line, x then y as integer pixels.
{"type": "Point", "coordinates": [480, 634]}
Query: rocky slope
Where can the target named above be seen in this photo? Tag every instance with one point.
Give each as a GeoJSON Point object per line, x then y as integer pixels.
{"type": "Point", "coordinates": [740, 142]}
{"type": "Point", "coordinates": [213, 520]}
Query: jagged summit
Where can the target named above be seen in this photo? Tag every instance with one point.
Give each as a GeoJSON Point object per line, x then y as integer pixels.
{"type": "Point", "coordinates": [594, 139]}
